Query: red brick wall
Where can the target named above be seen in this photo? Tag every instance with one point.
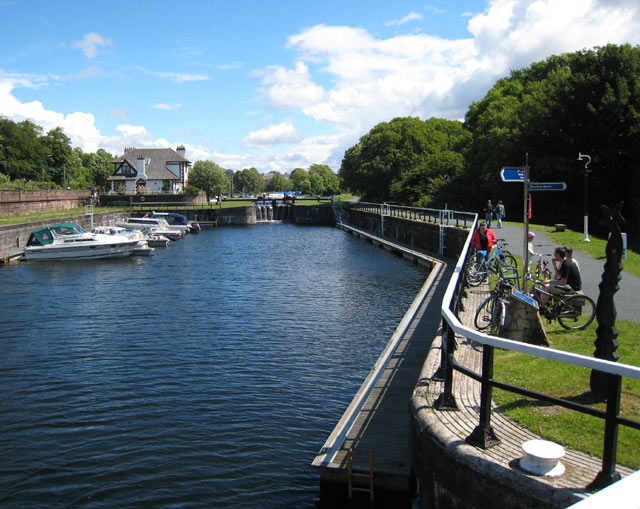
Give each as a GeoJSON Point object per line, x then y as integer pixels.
{"type": "Point", "coordinates": [14, 202]}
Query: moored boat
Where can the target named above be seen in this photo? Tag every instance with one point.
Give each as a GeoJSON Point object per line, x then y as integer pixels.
{"type": "Point", "coordinates": [69, 241]}
{"type": "Point", "coordinates": [142, 247]}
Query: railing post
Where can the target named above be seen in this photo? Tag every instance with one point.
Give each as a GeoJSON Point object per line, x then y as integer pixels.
{"type": "Point", "coordinates": [446, 400]}
{"type": "Point", "coordinates": [484, 436]}
{"type": "Point", "coordinates": [608, 474]}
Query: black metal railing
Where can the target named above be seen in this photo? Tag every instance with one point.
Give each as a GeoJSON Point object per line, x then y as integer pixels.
{"type": "Point", "coordinates": [483, 435]}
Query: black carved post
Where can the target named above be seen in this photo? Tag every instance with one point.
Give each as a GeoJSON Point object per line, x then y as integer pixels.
{"type": "Point", "coordinates": [606, 333]}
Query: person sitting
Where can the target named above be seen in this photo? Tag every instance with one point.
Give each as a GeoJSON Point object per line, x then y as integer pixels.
{"type": "Point", "coordinates": [483, 240]}
{"type": "Point", "coordinates": [567, 278]}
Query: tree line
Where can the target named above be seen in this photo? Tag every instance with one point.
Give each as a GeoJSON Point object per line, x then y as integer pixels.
{"type": "Point", "coordinates": [546, 114]}
{"type": "Point", "coordinates": [215, 180]}
{"type": "Point", "coordinates": [31, 159]}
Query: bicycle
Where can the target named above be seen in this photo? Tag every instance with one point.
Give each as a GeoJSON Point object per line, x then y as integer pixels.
{"type": "Point", "coordinates": [574, 311]}
{"type": "Point", "coordinates": [542, 271]}
{"type": "Point", "coordinates": [497, 261]}
{"type": "Point", "coordinates": [492, 313]}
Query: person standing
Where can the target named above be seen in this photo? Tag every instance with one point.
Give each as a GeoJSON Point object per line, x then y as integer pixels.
{"type": "Point", "coordinates": [483, 240]}
{"type": "Point", "coordinates": [500, 213]}
{"type": "Point", "coordinates": [488, 211]}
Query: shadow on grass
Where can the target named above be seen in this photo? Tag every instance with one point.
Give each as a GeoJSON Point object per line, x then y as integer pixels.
{"type": "Point", "coordinates": [586, 398]}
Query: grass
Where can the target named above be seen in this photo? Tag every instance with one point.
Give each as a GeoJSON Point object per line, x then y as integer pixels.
{"type": "Point", "coordinates": [46, 216]}
{"type": "Point", "coordinates": [569, 428]}
{"type": "Point", "coordinates": [595, 248]}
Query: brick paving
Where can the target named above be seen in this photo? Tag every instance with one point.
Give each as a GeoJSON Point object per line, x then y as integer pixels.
{"type": "Point", "coordinates": [581, 468]}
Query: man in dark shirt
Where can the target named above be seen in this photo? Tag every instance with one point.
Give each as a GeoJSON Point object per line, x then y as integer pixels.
{"type": "Point", "coordinates": [568, 274]}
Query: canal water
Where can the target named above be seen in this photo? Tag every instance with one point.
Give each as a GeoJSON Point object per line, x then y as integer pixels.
{"type": "Point", "coordinates": [206, 376]}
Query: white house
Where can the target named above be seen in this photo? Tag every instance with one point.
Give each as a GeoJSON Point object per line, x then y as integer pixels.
{"type": "Point", "coordinates": [151, 169]}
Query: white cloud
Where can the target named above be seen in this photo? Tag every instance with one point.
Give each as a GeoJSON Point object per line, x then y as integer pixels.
{"type": "Point", "coordinates": [92, 44]}
{"type": "Point", "coordinates": [168, 107]}
{"type": "Point", "coordinates": [290, 88]}
{"type": "Point", "coordinates": [412, 16]}
{"type": "Point", "coordinates": [273, 135]}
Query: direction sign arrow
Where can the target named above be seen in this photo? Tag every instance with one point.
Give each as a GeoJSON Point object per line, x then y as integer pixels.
{"type": "Point", "coordinates": [547, 186]}
{"type": "Point", "coordinates": [512, 174]}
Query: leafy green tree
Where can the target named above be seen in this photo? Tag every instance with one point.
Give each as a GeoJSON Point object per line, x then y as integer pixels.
{"type": "Point", "coordinates": [300, 181]}
{"type": "Point", "coordinates": [323, 180]}
{"type": "Point", "coordinates": [209, 177]}
{"type": "Point", "coordinates": [583, 102]}
{"type": "Point", "coordinates": [57, 152]}
{"type": "Point", "coordinates": [407, 160]}
{"type": "Point", "coordinates": [248, 180]}
{"type": "Point", "coordinates": [277, 182]}
{"type": "Point", "coordinates": [21, 154]}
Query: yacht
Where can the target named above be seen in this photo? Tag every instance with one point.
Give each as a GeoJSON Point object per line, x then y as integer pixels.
{"type": "Point", "coordinates": [69, 241]}
{"type": "Point", "coordinates": [142, 247]}
{"type": "Point", "coordinates": [140, 223]}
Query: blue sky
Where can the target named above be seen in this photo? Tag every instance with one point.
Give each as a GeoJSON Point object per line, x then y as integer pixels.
{"type": "Point", "coordinates": [273, 84]}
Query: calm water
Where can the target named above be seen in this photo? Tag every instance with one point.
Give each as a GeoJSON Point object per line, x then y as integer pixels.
{"type": "Point", "coordinates": [207, 375]}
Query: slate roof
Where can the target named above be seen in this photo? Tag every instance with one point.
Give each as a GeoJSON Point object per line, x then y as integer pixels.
{"type": "Point", "coordinates": [156, 169]}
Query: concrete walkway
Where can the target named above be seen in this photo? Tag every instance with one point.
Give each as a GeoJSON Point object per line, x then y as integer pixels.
{"type": "Point", "coordinates": [590, 268]}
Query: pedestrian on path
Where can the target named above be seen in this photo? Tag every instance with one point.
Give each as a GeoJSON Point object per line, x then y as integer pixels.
{"type": "Point", "coordinates": [500, 213]}
{"type": "Point", "coordinates": [488, 211]}
{"type": "Point", "coordinates": [483, 240]}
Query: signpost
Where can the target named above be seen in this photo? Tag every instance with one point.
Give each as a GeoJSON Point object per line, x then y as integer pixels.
{"type": "Point", "coordinates": [547, 186]}
{"type": "Point", "coordinates": [521, 174]}
{"type": "Point", "coordinates": [512, 174]}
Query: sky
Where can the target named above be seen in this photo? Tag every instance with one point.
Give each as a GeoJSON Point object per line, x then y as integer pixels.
{"type": "Point", "coordinates": [274, 85]}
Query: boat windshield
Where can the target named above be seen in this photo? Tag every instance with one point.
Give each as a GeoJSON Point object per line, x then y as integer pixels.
{"type": "Point", "coordinates": [68, 229]}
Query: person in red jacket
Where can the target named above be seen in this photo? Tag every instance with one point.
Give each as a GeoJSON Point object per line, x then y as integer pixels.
{"type": "Point", "coordinates": [483, 239]}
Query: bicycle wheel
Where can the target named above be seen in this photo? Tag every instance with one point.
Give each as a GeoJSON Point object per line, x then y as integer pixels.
{"type": "Point", "coordinates": [477, 274]}
{"type": "Point", "coordinates": [508, 260]}
{"type": "Point", "coordinates": [542, 275]}
{"type": "Point", "coordinates": [577, 312]}
{"type": "Point", "coordinates": [484, 313]}
{"type": "Point", "coordinates": [498, 317]}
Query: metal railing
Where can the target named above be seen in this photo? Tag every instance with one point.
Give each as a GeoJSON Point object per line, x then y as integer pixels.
{"type": "Point", "coordinates": [437, 216]}
{"type": "Point", "coordinates": [483, 435]}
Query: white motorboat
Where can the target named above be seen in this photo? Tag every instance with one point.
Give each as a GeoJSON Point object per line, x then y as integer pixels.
{"type": "Point", "coordinates": [68, 241]}
{"type": "Point", "coordinates": [142, 247]}
{"type": "Point", "coordinates": [140, 223]}
{"type": "Point", "coordinates": [176, 219]}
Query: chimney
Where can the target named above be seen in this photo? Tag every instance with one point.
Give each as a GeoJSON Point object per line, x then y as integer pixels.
{"type": "Point", "coordinates": [141, 167]}
{"type": "Point", "coordinates": [181, 150]}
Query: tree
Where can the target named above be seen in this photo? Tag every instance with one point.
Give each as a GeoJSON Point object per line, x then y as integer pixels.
{"type": "Point", "coordinates": [407, 160]}
{"type": "Point", "coordinates": [300, 181]}
{"type": "Point", "coordinates": [323, 180]}
{"type": "Point", "coordinates": [582, 102]}
{"type": "Point", "coordinates": [57, 151]}
{"type": "Point", "coordinates": [209, 177]}
{"type": "Point", "coordinates": [277, 182]}
{"type": "Point", "coordinates": [248, 180]}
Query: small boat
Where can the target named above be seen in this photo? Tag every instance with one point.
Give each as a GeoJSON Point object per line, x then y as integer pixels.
{"type": "Point", "coordinates": [69, 241]}
{"type": "Point", "coordinates": [140, 223]}
{"type": "Point", "coordinates": [176, 219]}
{"type": "Point", "coordinates": [142, 247]}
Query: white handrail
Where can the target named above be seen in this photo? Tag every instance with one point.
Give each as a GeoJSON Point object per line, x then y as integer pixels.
{"type": "Point", "coordinates": [613, 368]}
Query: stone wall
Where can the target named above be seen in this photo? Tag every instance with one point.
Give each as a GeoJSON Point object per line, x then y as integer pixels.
{"type": "Point", "coordinates": [415, 233]}
{"type": "Point", "coordinates": [15, 201]}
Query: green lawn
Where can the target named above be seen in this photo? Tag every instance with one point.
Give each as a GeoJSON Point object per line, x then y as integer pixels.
{"type": "Point", "coordinates": [569, 428]}
{"type": "Point", "coordinates": [595, 248]}
{"type": "Point", "coordinates": [45, 216]}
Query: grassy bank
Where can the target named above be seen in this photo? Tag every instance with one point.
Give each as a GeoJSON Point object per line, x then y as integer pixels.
{"type": "Point", "coordinates": [571, 429]}
{"type": "Point", "coordinates": [52, 215]}
{"type": "Point", "coordinates": [595, 248]}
